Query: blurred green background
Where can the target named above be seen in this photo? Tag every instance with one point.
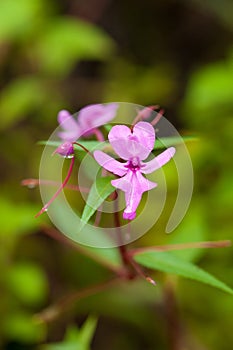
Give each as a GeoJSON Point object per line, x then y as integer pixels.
{"type": "Point", "coordinates": [58, 54]}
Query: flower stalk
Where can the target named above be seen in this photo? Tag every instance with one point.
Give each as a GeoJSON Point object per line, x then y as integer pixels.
{"type": "Point", "coordinates": [45, 207]}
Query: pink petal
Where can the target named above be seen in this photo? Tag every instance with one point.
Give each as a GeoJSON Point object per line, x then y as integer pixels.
{"type": "Point", "coordinates": [133, 184]}
{"type": "Point", "coordinates": [132, 200]}
{"type": "Point", "coordinates": [126, 144]}
{"type": "Point", "coordinates": [124, 183]}
{"type": "Point", "coordinates": [158, 161]}
{"type": "Point", "coordinates": [65, 150]}
{"type": "Point", "coordinates": [66, 120]}
{"type": "Point", "coordinates": [69, 136]}
{"type": "Point", "coordinates": [110, 163]}
{"type": "Point", "coordinates": [106, 114]}
{"type": "Point", "coordinates": [93, 116]}
{"type": "Point", "coordinates": [69, 125]}
{"type": "Point", "coordinates": [145, 134]}
{"type": "Point", "coordinates": [129, 215]}
{"type": "Point", "coordinates": [118, 137]}
{"type": "Point", "coordinates": [133, 197]}
{"type": "Point", "coordinates": [144, 184]}
{"type": "Point", "coordinates": [63, 115]}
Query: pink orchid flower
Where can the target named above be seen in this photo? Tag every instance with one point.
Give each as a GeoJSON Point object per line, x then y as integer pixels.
{"type": "Point", "coordinates": [89, 119]}
{"type": "Point", "coordinates": [133, 146]}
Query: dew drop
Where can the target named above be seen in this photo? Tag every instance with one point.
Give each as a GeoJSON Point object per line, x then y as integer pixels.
{"type": "Point", "coordinates": [127, 236]}
{"type": "Point", "coordinates": [31, 185]}
{"type": "Point", "coordinates": [150, 280]}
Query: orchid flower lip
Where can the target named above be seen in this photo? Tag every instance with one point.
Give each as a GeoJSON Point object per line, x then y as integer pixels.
{"type": "Point", "coordinates": [133, 164]}
{"type": "Point", "coordinates": [129, 216]}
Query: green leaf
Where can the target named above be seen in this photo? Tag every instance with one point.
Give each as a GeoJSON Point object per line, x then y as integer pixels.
{"type": "Point", "coordinates": [106, 256]}
{"type": "Point", "coordinates": [27, 283]}
{"type": "Point", "coordinates": [89, 145]}
{"type": "Point", "coordinates": [100, 190]}
{"type": "Point", "coordinates": [76, 339]}
{"type": "Point", "coordinates": [93, 236]}
{"type": "Point", "coordinates": [19, 98]}
{"type": "Point", "coordinates": [212, 85]}
{"type": "Point", "coordinates": [108, 127]}
{"type": "Point", "coordinates": [164, 142]}
{"type": "Point", "coordinates": [160, 143]}
{"type": "Point", "coordinates": [64, 346]}
{"type": "Point", "coordinates": [16, 218]}
{"type": "Point", "coordinates": [71, 40]}
{"type": "Point", "coordinates": [210, 90]}
{"type": "Point", "coordinates": [169, 263]}
{"type": "Point", "coordinates": [21, 327]}
{"type": "Point", "coordinates": [18, 18]}
{"type": "Point", "coordinates": [193, 228]}
{"type": "Point", "coordinates": [83, 335]}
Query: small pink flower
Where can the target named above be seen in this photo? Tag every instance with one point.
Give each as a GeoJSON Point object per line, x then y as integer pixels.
{"type": "Point", "coordinates": [66, 150]}
{"type": "Point", "coordinates": [89, 119]}
{"type": "Point", "coordinates": [134, 147]}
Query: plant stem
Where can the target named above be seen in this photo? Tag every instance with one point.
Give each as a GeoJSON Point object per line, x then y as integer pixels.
{"type": "Point", "coordinates": [45, 207]}
{"type": "Point", "coordinates": [175, 330]}
{"type": "Point", "coordinates": [99, 135]}
{"type": "Point", "coordinates": [31, 183]}
{"type": "Point", "coordinates": [138, 269]}
{"type": "Point", "coordinates": [158, 117]}
{"type": "Point", "coordinates": [180, 246]}
{"type": "Point", "coordinates": [127, 259]}
{"type": "Point", "coordinates": [55, 310]}
{"type": "Point", "coordinates": [144, 114]}
{"type": "Point", "coordinates": [84, 148]}
{"type": "Point", "coordinates": [121, 246]}
{"type": "Point", "coordinates": [55, 234]}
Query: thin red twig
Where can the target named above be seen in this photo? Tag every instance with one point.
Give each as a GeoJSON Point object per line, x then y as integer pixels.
{"type": "Point", "coordinates": [31, 183]}
{"type": "Point", "coordinates": [45, 207]}
{"type": "Point", "coordinates": [180, 246]}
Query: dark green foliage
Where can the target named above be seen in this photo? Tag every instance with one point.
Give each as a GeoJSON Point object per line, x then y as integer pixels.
{"type": "Point", "coordinates": [64, 55]}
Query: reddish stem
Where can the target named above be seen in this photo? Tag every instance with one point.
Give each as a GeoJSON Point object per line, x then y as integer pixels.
{"type": "Point", "coordinates": [121, 246]}
{"type": "Point", "coordinates": [54, 311]}
{"type": "Point", "coordinates": [84, 148]}
{"type": "Point", "coordinates": [36, 182]}
{"type": "Point", "coordinates": [143, 114]}
{"type": "Point", "coordinates": [179, 246]}
{"type": "Point", "coordinates": [45, 207]}
{"type": "Point", "coordinates": [125, 256]}
{"type": "Point", "coordinates": [98, 217]}
{"type": "Point", "coordinates": [57, 235]}
{"type": "Point", "coordinates": [140, 271]}
{"type": "Point", "coordinates": [99, 135]}
{"type": "Point", "coordinates": [158, 117]}
{"type": "Point", "coordinates": [175, 330]}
